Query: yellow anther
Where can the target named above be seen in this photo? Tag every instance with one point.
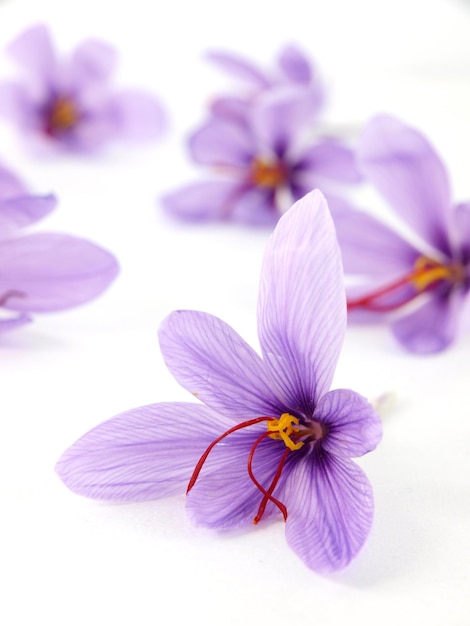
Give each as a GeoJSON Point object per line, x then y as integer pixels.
{"type": "Point", "coordinates": [429, 271]}
{"type": "Point", "coordinates": [283, 428]}
{"type": "Point", "coordinates": [267, 173]}
{"type": "Point", "coordinates": [63, 115]}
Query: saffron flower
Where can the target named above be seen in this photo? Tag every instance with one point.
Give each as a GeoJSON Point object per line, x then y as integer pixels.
{"type": "Point", "coordinates": [264, 160]}
{"type": "Point", "coordinates": [292, 69]}
{"type": "Point", "coordinates": [70, 102]}
{"type": "Point", "coordinates": [43, 272]}
{"type": "Point", "coordinates": [419, 281]}
{"type": "Point", "coordinates": [270, 440]}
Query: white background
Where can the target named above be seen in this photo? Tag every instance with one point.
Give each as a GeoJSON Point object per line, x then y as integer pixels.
{"type": "Point", "coordinates": [66, 560]}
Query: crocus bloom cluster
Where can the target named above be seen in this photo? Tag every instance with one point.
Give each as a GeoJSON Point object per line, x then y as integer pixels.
{"type": "Point", "coordinates": [264, 160]}
{"type": "Point", "coordinates": [70, 102]}
{"type": "Point", "coordinates": [43, 272]}
{"type": "Point", "coordinates": [269, 439]}
{"type": "Point", "coordinates": [421, 284]}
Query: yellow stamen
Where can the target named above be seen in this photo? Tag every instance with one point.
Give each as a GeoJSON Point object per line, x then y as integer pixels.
{"type": "Point", "coordinates": [266, 173]}
{"type": "Point", "coordinates": [63, 114]}
{"type": "Point", "coordinates": [429, 271]}
{"type": "Point", "coordinates": [283, 428]}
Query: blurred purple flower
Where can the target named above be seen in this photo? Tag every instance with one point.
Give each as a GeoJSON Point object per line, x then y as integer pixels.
{"type": "Point", "coordinates": [70, 102]}
{"type": "Point", "coordinates": [266, 159]}
{"type": "Point", "coordinates": [420, 283]}
{"type": "Point", "coordinates": [292, 69]}
{"type": "Point", "coordinates": [270, 437]}
{"type": "Point", "coordinates": [43, 272]}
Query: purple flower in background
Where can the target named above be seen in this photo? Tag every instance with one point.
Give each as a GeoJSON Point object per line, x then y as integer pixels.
{"type": "Point", "coordinates": [265, 160]}
{"type": "Point", "coordinates": [421, 283]}
{"type": "Point", "coordinates": [292, 69]}
{"type": "Point", "coordinates": [70, 102]}
{"type": "Point", "coordinates": [270, 439]}
{"type": "Point", "coordinates": [43, 272]}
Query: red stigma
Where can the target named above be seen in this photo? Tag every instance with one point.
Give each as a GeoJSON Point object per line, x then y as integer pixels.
{"type": "Point", "coordinates": [203, 458]}
{"type": "Point", "coordinates": [283, 429]}
{"type": "Point", "coordinates": [11, 293]}
{"type": "Point", "coordinates": [425, 276]}
{"type": "Point", "coordinates": [267, 493]}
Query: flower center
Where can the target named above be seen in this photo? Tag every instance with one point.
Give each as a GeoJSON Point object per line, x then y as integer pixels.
{"type": "Point", "coordinates": [427, 274]}
{"type": "Point", "coordinates": [283, 428]}
{"type": "Point", "coordinates": [286, 429]}
{"type": "Point", "coordinates": [61, 116]}
{"type": "Point", "coordinates": [268, 173]}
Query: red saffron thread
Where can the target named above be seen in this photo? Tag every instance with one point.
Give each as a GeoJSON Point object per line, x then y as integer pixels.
{"type": "Point", "coordinates": [11, 293]}
{"type": "Point", "coordinates": [267, 494]}
{"type": "Point", "coordinates": [203, 458]}
{"type": "Point", "coordinates": [369, 301]}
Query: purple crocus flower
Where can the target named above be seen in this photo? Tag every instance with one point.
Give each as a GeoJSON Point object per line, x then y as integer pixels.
{"type": "Point", "coordinates": [70, 102]}
{"type": "Point", "coordinates": [420, 284]}
{"type": "Point", "coordinates": [292, 69]}
{"type": "Point", "coordinates": [269, 440]}
{"type": "Point", "coordinates": [43, 272]}
{"type": "Point", "coordinates": [265, 160]}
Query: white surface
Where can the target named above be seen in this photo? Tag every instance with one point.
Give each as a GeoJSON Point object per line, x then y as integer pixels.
{"type": "Point", "coordinates": [66, 560]}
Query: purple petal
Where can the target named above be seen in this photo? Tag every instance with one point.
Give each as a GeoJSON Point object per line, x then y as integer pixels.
{"type": "Point", "coordinates": [50, 272]}
{"type": "Point", "coordinates": [256, 206]}
{"type": "Point", "coordinates": [330, 506]}
{"type": "Point", "coordinates": [10, 323]}
{"type": "Point", "coordinates": [464, 325]}
{"type": "Point", "coordinates": [97, 128]}
{"type": "Point", "coordinates": [239, 67]}
{"type": "Point", "coordinates": [139, 116]}
{"type": "Point", "coordinates": [462, 231]}
{"type": "Point", "coordinates": [10, 184]}
{"type": "Point", "coordinates": [282, 117]}
{"type": "Point", "coordinates": [302, 303]}
{"type": "Point", "coordinates": [224, 496]}
{"type": "Point", "coordinates": [334, 198]}
{"type": "Point", "coordinates": [330, 160]}
{"type": "Point", "coordinates": [145, 453]}
{"type": "Point", "coordinates": [222, 142]}
{"type": "Point", "coordinates": [34, 50]}
{"type": "Point", "coordinates": [336, 202]}
{"type": "Point", "coordinates": [208, 200]}
{"type": "Point", "coordinates": [209, 359]}
{"type": "Point", "coordinates": [433, 326]}
{"type": "Point", "coordinates": [18, 212]}
{"type": "Point", "coordinates": [295, 65]}
{"type": "Point", "coordinates": [231, 108]}
{"type": "Point", "coordinates": [405, 168]}
{"type": "Point", "coordinates": [354, 427]}
{"type": "Point", "coordinates": [370, 247]}
{"type": "Point", "coordinates": [16, 104]}
{"type": "Point", "coordinates": [91, 62]}
{"type": "Point", "coordinates": [223, 200]}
